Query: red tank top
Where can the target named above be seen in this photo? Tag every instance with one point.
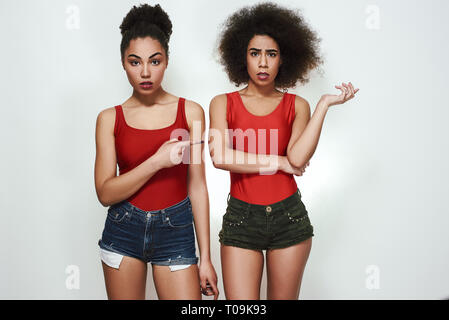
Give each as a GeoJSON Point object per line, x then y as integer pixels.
{"type": "Point", "coordinates": [254, 187]}
{"type": "Point", "coordinates": [133, 146]}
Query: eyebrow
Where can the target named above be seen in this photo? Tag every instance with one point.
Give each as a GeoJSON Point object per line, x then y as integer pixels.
{"type": "Point", "coordinates": [258, 50]}
{"type": "Point", "coordinates": [136, 56]}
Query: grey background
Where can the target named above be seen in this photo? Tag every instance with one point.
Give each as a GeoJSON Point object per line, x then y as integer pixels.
{"type": "Point", "coordinates": [376, 188]}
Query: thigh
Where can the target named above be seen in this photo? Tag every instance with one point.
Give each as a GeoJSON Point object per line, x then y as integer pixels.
{"type": "Point", "coordinates": [285, 268]}
{"type": "Point", "coordinates": [177, 285]}
{"type": "Point", "coordinates": [242, 272]}
{"type": "Point", "coordinates": [128, 282]}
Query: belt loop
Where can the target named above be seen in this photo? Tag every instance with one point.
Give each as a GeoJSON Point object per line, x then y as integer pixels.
{"type": "Point", "coordinates": [229, 195]}
{"type": "Point", "coordinates": [129, 207]}
{"type": "Point", "coordinates": [163, 215]}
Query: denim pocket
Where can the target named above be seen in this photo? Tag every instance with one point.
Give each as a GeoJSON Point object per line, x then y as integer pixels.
{"type": "Point", "coordinates": [235, 216]}
{"type": "Point", "coordinates": [117, 214]}
{"type": "Point", "coordinates": [181, 219]}
{"type": "Point", "coordinates": [297, 213]}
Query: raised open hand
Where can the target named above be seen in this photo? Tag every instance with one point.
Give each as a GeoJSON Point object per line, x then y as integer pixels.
{"type": "Point", "coordinates": [347, 93]}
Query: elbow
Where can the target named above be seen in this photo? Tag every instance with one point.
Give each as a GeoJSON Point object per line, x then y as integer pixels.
{"type": "Point", "coordinates": [104, 203]}
{"type": "Point", "coordinates": [295, 161]}
{"type": "Point", "coordinates": [217, 160]}
{"type": "Point", "coordinates": [221, 165]}
{"type": "Point", "coordinates": [103, 200]}
{"type": "Point", "coordinates": [218, 164]}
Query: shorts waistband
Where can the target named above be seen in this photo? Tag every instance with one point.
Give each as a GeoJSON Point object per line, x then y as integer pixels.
{"type": "Point", "coordinates": [128, 206]}
{"type": "Point", "coordinates": [273, 206]}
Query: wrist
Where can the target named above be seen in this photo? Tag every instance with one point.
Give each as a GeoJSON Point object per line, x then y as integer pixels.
{"type": "Point", "coordinates": [154, 164]}
{"type": "Point", "coordinates": [282, 163]}
{"type": "Point", "coordinates": [204, 259]}
{"type": "Point", "coordinates": [323, 104]}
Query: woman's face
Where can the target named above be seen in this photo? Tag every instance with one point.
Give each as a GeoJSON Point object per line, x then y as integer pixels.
{"type": "Point", "coordinates": [145, 62]}
{"type": "Point", "coordinates": [263, 60]}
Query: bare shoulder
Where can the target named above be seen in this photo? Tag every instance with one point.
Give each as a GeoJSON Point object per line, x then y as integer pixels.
{"type": "Point", "coordinates": [219, 99]}
{"type": "Point", "coordinates": [194, 112]}
{"type": "Point", "coordinates": [302, 106]}
{"type": "Point", "coordinates": [106, 118]}
{"type": "Point", "coordinates": [218, 104]}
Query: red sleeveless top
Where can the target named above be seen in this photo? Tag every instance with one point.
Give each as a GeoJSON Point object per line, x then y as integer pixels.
{"type": "Point", "coordinates": [254, 187]}
{"type": "Point", "coordinates": [133, 146]}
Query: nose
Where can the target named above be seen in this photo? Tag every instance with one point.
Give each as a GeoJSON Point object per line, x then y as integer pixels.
{"type": "Point", "coordinates": [263, 62]}
{"type": "Point", "coordinates": [145, 72]}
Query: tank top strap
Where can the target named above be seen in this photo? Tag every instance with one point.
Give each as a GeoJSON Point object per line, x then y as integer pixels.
{"type": "Point", "coordinates": [289, 107]}
{"type": "Point", "coordinates": [228, 108]}
{"type": "Point", "coordinates": [119, 120]}
{"type": "Point", "coordinates": [181, 118]}
{"type": "Point", "coordinates": [232, 105]}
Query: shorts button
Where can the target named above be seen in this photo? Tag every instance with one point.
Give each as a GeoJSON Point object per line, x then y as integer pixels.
{"type": "Point", "coordinates": [268, 209]}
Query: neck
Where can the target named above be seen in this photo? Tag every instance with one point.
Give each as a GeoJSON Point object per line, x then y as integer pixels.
{"type": "Point", "coordinates": [261, 91]}
{"type": "Point", "coordinates": [148, 100]}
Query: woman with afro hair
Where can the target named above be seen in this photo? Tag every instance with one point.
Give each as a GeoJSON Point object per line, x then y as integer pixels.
{"type": "Point", "coordinates": [160, 195]}
{"type": "Point", "coordinates": [264, 137]}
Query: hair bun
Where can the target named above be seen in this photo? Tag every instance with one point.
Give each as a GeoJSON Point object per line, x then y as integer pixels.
{"type": "Point", "coordinates": [147, 15]}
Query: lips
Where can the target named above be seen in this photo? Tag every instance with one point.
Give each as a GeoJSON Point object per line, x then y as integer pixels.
{"type": "Point", "coordinates": [263, 75]}
{"type": "Point", "coordinates": [146, 85]}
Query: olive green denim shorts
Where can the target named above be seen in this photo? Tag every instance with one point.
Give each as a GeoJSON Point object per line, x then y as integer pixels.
{"type": "Point", "coordinates": [262, 227]}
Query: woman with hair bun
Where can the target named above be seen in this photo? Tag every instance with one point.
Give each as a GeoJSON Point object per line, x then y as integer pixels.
{"type": "Point", "coordinates": [160, 194]}
{"type": "Point", "coordinates": [267, 137]}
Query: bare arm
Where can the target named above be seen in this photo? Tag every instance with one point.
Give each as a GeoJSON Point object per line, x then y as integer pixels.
{"type": "Point", "coordinates": [196, 178]}
{"type": "Point", "coordinates": [199, 196]}
{"type": "Point", "coordinates": [111, 188]}
{"type": "Point", "coordinates": [306, 131]}
{"type": "Point", "coordinates": [225, 157]}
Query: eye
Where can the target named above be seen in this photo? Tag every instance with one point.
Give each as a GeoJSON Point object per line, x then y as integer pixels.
{"type": "Point", "coordinates": [272, 54]}
{"type": "Point", "coordinates": [254, 53]}
{"type": "Point", "coordinates": [155, 62]}
{"type": "Point", "coordinates": [134, 61]}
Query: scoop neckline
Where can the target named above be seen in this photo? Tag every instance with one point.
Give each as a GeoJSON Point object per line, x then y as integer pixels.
{"type": "Point", "coordinates": [138, 129]}
{"type": "Point", "coordinates": [254, 115]}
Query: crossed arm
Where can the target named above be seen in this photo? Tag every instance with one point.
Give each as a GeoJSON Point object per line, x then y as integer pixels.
{"type": "Point", "coordinates": [295, 160]}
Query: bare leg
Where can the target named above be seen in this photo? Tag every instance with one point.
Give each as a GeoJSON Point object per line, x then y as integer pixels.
{"type": "Point", "coordinates": [242, 272]}
{"type": "Point", "coordinates": [128, 282]}
{"type": "Point", "coordinates": [177, 285]}
{"type": "Point", "coordinates": [285, 268]}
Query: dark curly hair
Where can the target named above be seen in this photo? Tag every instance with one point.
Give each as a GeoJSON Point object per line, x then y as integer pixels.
{"type": "Point", "coordinates": [146, 21]}
{"type": "Point", "coordinates": [298, 44]}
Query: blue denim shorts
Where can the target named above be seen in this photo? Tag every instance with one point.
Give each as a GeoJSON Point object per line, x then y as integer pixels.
{"type": "Point", "coordinates": [163, 237]}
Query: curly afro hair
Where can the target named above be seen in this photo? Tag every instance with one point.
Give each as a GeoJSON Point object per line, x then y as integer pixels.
{"type": "Point", "coordinates": [298, 44]}
{"type": "Point", "coordinates": [146, 21]}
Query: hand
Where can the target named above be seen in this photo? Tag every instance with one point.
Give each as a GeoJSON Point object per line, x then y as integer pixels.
{"type": "Point", "coordinates": [170, 153]}
{"type": "Point", "coordinates": [300, 171]}
{"type": "Point", "coordinates": [288, 168]}
{"type": "Point", "coordinates": [208, 279]}
{"type": "Point", "coordinates": [347, 93]}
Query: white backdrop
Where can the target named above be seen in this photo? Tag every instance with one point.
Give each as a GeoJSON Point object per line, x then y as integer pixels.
{"type": "Point", "coordinates": [375, 189]}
